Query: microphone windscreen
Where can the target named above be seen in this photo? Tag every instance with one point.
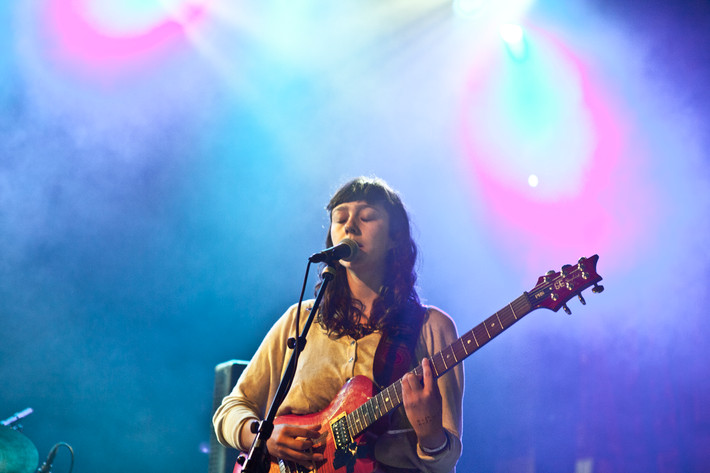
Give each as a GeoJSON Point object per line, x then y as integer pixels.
{"type": "Point", "coordinates": [353, 249]}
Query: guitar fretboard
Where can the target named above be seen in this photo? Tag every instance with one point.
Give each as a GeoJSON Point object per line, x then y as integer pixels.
{"type": "Point", "coordinates": [389, 398]}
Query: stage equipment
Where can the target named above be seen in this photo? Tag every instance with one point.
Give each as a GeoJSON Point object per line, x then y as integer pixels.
{"type": "Point", "coordinates": [221, 458]}
{"type": "Point", "coordinates": [17, 453]}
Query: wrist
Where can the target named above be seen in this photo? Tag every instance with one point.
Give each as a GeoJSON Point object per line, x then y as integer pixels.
{"type": "Point", "coordinates": [432, 448]}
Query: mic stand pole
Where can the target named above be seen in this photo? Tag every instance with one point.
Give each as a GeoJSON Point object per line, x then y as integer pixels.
{"type": "Point", "coordinates": [257, 461]}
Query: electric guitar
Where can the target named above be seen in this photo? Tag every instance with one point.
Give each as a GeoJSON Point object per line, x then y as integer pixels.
{"type": "Point", "coordinates": [348, 446]}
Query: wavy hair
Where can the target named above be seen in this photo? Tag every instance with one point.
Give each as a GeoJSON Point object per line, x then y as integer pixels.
{"type": "Point", "coordinates": [397, 306]}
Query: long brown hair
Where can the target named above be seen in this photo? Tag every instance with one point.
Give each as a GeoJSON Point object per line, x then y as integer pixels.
{"type": "Point", "coordinates": [397, 309]}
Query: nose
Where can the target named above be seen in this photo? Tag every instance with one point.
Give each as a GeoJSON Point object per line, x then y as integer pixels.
{"type": "Point", "coordinates": [351, 227]}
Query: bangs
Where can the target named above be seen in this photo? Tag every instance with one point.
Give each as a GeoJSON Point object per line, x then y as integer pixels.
{"type": "Point", "coordinates": [370, 190]}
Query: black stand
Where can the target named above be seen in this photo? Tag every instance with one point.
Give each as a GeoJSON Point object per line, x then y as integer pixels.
{"type": "Point", "coordinates": [257, 461]}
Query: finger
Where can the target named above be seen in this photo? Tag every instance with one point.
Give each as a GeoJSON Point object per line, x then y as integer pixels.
{"type": "Point", "coordinates": [426, 367]}
{"type": "Point", "coordinates": [306, 458]}
{"type": "Point", "coordinates": [428, 376]}
{"type": "Point", "coordinates": [415, 381]}
{"type": "Point", "coordinates": [309, 431]}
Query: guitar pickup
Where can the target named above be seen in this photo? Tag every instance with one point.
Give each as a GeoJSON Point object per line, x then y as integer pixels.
{"type": "Point", "coordinates": [341, 434]}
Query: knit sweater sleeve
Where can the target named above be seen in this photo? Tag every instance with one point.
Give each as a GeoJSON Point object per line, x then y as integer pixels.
{"type": "Point", "coordinates": [257, 385]}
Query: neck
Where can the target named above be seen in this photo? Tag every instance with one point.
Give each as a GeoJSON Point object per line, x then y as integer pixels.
{"type": "Point", "coordinates": [364, 289]}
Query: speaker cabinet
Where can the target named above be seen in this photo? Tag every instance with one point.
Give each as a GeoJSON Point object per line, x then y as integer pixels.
{"type": "Point", "coordinates": [222, 459]}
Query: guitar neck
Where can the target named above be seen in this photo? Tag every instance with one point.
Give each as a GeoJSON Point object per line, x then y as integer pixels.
{"type": "Point", "coordinates": [389, 398]}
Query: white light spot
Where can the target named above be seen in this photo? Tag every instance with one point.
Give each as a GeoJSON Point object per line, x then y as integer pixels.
{"type": "Point", "coordinates": [468, 8]}
{"type": "Point", "coordinates": [533, 181]}
{"type": "Point", "coordinates": [511, 34]}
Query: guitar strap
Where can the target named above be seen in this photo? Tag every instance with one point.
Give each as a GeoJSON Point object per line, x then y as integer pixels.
{"type": "Point", "coordinates": [393, 358]}
{"type": "Point", "coordinates": [395, 352]}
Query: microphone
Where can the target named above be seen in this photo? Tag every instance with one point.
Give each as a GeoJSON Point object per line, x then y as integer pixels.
{"type": "Point", "coordinates": [17, 416]}
{"type": "Point", "coordinates": [47, 465]}
{"type": "Point", "coordinates": [345, 250]}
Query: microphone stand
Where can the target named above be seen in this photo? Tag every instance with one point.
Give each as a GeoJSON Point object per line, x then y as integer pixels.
{"type": "Point", "coordinates": [257, 461]}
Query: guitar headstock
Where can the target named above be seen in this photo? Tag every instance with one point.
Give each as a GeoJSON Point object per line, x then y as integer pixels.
{"type": "Point", "coordinates": [553, 290]}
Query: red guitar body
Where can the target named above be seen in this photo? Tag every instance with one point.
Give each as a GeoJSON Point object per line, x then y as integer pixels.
{"type": "Point", "coordinates": [358, 457]}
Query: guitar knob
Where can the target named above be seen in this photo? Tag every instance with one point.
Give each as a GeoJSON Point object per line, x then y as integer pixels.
{"type": "Point", "coordinates": [581, 299]}
{"type": "Point", "coordinates": [241, 459]}
{"type": "Point", "coordinates": [597, 289]}
{"type": "Point", "coordinates": [566, 309]}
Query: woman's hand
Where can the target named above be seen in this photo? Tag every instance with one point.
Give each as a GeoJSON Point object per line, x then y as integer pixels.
{"type": "Point", "coordinates": [422, 403]}
{"type": "Point", "coordinates": [295, 443]}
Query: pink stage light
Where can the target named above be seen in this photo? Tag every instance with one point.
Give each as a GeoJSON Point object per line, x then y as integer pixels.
{"type": "Point", "coordinates": [81, 40]}
{"type": "Point", "coordinates": [589, 207]}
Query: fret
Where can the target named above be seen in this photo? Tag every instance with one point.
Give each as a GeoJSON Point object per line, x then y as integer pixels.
{"type": "Point", "coordinates": [358, 423]}
{"type": "Point", "coordinates": [501, 323]}
{"type": "Point", "coordinates": [398, 394]}
{"type": "Point", "coordinates": [378, 405]}
{"type": "Point", "coordinates": [351, 427]}
{"type": "Point", "coordinates": [365, 414]}
{"type": "Point", "coordinates": [357, 414]}
{"type": "Point", "coordinates": [480, 332]}
{"type": "Point", "coordinates": [512, 310]}
{"type": "Point", "coordinates": [463, 345]}
{"type": "Point", "coordinates": [475, 339]}
{"type": "Point", "coordinates": [495, 328]}
{"type": "Point", "coordinates": [443, 360]}
{"type": "Point", "coordinates": [435, 365]}
{"type": "Point", "coordinates": [388, 398]}
{"type": "Point", "coordinates": [384, 398]}
{"type": "Point", "coordinates": [460, 352]}
{"type": "Point", "coordinates": [394, 399]}
{"type": "Point", "coordinates": [453, 352]}
{"type": "Point", "coordinates": [371, 416]}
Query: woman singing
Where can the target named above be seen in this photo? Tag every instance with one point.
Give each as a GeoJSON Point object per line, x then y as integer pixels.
{"type": "Point", "coordinates": [370, 306]}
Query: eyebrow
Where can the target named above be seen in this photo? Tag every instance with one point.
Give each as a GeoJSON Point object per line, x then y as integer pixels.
{"type": "Point", "coordinates": [342, 207]}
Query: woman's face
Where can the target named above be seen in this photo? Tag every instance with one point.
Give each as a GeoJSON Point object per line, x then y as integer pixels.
{"type": "Point", "coordinates": [366, 224]}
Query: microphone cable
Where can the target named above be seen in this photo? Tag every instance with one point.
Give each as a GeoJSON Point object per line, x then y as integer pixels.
{"type": "Point", "coordinates": [47, 465]}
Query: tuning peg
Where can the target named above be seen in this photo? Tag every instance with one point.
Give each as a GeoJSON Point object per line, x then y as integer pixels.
{"type": "Point", "coordinates": [566, 309]}
{"type": "Point", "coordinates": [597, 289]}
{"type": "Point", "coordinates": [581, 299]}
{"type": "Point", "coordinates": [548, 276]}
{"type": "Point", "coordinates": [565, 270]}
